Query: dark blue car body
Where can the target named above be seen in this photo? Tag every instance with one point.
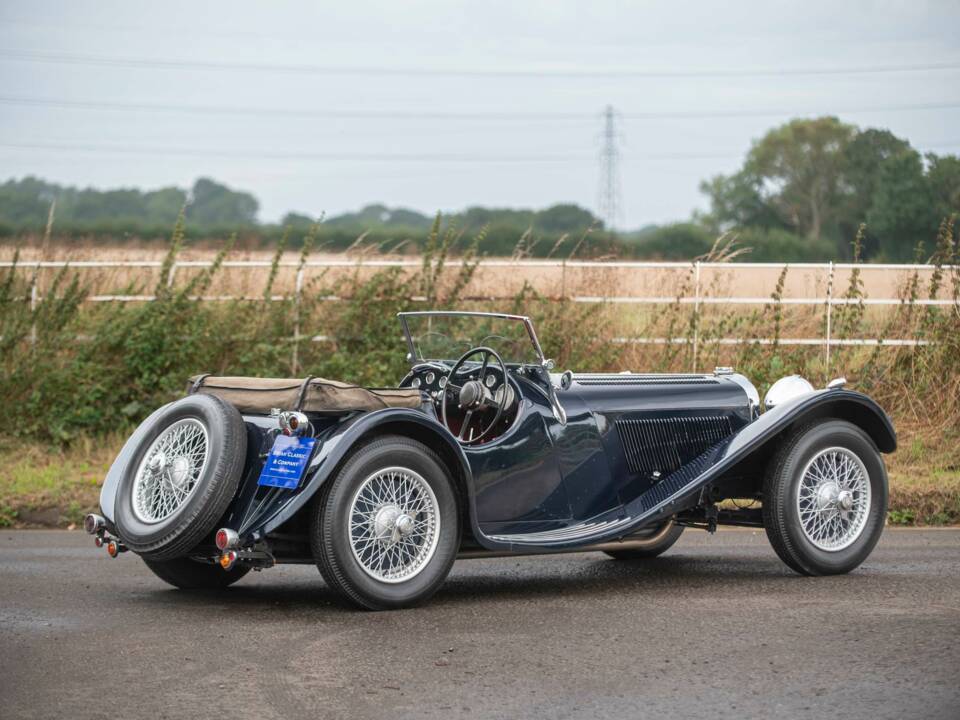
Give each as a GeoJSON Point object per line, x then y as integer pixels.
{"type": "Point", "coordinates": [587, 459]}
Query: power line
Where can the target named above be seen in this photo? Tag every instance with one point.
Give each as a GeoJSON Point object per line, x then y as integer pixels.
{"type": "Point", "coordinates": [340, 114]}
{"type": "Point", "coordinates": [296, 112]}
{"type": "Point", "coordinates": [147, 150]}
{"type": "Point", "coordinates": [298, 154]}
{"type": "Point", "coordinates": [391, 71]}
{"type": "Point", "coordinates": [771, 112]}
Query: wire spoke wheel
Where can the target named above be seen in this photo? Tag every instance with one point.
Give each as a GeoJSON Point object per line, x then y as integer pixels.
{"type": "Point", "coordinates": [394, 524]}
{"type": "Point", "coordinates": [170, 470]}
{"type": "Point", "coordinates": [833, 499]}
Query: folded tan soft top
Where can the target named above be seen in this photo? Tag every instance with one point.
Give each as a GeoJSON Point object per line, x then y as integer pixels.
{"type": "Point", "coordinates": [260, 395]}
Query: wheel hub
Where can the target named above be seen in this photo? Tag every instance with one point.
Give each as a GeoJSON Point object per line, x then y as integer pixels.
{"type": "Point", "coordinates": [390, 524]}
{"type": "Point", "coordinates": [180, 470]}
{"type": "Point", "coordinates": [385, 522]}
{"type": "Point", "coordinates": [404, 524]}
{"type": "Point", "coordinates": [845, 500]}
{"type": "Point", "coordinates": [827, 495]}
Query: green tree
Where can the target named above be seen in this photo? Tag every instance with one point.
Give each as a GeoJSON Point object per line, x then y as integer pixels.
{"type": "Point", "coordinates": [901, 210]}
{"type": "Point", "coordinates": [778, 245]}
{"type": "Point", "coordinates": [801, 166]}
{"type": "Point", "coordinates": [566, 218]}
{"type": "Point", "coordinates": [216, 204]}
{"type": "Point", "coordinates": [26, 202]}
{"type": "Point", "coordinates": [680, 241]}
{"type": "Point", "coordinates": [737, 201]}
{"type": "Point", "coordinates": [943, 174]}
{"type": "Point", "coordinates": [821, 178]}
{"type": "Point", "coordinates": [162, 206]}
{"type": "Point", "coordinates": [297, 220]}
{"type": "Point", "coordinates": [865, 155]}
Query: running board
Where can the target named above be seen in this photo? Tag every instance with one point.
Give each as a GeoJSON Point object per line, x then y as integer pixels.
{"type": "Point", "coordinates": [613, 546]}
{"type": "Point", "coordinates": [662, 500]}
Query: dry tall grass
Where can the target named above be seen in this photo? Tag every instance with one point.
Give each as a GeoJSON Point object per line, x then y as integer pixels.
{"type": "Point", "coordinates": [73, 369]}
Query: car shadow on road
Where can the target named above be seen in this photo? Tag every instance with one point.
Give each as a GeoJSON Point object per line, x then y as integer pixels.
{"type": "Point", "coordinates": [244, 598]}
{"type": "Point", "coordinates": [503, 579]}
{"type": "Point", "coordinates": [603, 576]}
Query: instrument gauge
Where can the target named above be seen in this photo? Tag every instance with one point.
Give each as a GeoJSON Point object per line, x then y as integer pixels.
{"type": "Point", "coordinates": [416, 382]}
{"type": "Point", "coordinates": [430, 377]}
{"type": "Point", "coordinates": [504, 396]}
{"type": "Point", "coordinates": [443, 381]}
{"type": "Point", "coordinates": [491, 380]}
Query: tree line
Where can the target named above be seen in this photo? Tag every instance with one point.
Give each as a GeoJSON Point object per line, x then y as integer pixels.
{"type": "Point", "coordinates": [801, 193]}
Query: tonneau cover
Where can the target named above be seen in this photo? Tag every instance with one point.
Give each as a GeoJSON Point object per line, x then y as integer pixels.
{"type": "Point", "coordinates": [260, 395]}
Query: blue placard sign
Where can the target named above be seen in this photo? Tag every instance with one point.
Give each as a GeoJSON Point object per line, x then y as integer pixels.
{"type": "Point", "coordinates": [287, 462]}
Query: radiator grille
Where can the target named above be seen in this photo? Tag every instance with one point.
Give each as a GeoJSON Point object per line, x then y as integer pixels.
{"type": "Point", "coordinates": [666, 444]}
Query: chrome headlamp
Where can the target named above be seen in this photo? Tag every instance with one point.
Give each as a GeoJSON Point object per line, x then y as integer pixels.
{"type": "Point", "coordinates": [785, 389]}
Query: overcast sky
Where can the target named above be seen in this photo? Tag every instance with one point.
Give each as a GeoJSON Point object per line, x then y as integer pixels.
{"type": "Point", "coordinates": [324, 107]}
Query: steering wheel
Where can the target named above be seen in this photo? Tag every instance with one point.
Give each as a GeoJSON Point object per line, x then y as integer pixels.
{"type": "Point", "coordinates": [473, 395]}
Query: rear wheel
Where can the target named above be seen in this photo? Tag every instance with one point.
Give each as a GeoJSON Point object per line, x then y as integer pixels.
{"type": "Point", "coordinates": [656, 541]}
{"type": "Point", "coordinates": [825, 498]}
{"type": "Point", "coordinates": [188, 574]}
{"type": "Point", "coordinates": [385, 530]}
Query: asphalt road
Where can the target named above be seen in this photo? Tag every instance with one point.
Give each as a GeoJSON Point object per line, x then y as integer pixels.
{"type": "Point", "coordinates": [716, 628]}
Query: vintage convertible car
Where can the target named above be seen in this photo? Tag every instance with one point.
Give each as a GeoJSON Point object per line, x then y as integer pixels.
{"type": "Point", "coordinates": [480, 451]}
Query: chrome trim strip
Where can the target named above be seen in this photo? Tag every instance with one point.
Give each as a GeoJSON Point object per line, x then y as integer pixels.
{"type": "Point", "coordinates": [568, 533]}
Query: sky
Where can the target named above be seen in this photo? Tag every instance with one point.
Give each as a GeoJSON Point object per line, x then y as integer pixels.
{"type": "Point", "coordinates": [323, 107]}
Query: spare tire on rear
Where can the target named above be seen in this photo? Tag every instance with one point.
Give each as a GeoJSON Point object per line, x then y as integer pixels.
{"type": "Point", "coordinates": [181, 478]}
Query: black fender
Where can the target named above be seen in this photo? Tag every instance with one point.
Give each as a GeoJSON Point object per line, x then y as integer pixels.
{"type": "Point", "coordinates": [854, 407]}
{"type": "Point", "coordinates": [336, 446]}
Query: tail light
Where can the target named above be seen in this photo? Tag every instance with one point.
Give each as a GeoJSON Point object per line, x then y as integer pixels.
{"type": "Point", "coordinates": [93, 523]}
{"type": "Point", "coordinates": [293, 423]}
{"type": "Point", "coordinates": [228, 559]}
{"type": "Point", "coordinates": [226, 539]}
{"type": "Point", "coordinates": [113, 548]}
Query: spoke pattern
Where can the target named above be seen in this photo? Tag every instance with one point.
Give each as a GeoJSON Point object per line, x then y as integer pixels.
{"type": "Point", "coordinates": [170, 470]}
{"type": "Point", "coordinates": [833, 499]}
{"type": "Point", "coordinates": [394, 524]}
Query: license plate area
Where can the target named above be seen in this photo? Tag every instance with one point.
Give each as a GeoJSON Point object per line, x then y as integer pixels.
{"type": "Point", "coordinates": [287, 462]}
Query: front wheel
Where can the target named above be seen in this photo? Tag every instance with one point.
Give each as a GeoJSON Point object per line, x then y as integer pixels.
{"type": "Point", "coordinates": [825, 499]}
{"type": "Point", "coordinates": [386, 529]}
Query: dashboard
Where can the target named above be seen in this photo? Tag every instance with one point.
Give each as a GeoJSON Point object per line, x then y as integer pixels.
{"type": "Point", "coordinates": [432, 378]}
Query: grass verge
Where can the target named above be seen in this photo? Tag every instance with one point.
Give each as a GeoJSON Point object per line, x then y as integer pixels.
{"type": "Point", "coordinates": [40, 487]}
{"type": "Point", "coordinates": [925, 477]}
{"type": "Point", "coordinates": [43, 487]}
